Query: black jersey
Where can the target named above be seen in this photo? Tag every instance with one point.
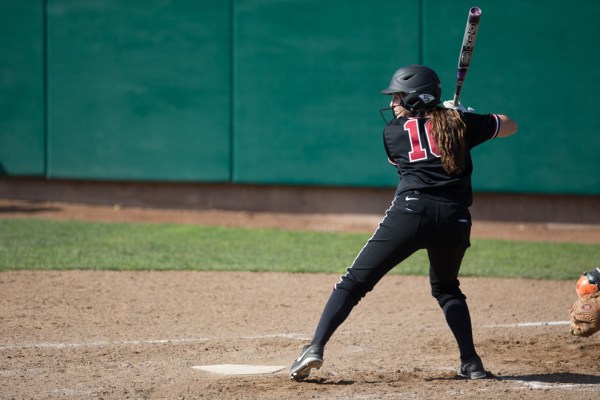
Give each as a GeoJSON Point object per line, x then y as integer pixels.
{"type": "Point", "coordinates": [411, 148]}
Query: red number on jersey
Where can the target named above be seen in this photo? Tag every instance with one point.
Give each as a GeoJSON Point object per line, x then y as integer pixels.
{"type": "Point", "coordinates": [417, 151]}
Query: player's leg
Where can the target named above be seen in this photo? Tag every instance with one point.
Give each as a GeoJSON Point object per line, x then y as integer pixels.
{"type": "Point", "coordinates": [445, 258]}
{"type": "Point", "coordinates": [445, 288]}
{"type": "Point", "coordinates": [395, 239]}
{"type": "Point", "coordinates": [392, 242]}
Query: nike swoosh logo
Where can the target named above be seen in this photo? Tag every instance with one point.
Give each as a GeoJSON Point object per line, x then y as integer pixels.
{"type": "Point", "coordinates": [303, 354]}
{"type": "Point", "coordinates": [411, 198]}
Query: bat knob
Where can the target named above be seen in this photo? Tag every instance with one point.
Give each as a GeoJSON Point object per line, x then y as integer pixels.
{"type": "Point", "coordinates": [475, 11]}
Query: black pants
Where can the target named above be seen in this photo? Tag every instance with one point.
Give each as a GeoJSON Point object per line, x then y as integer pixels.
{"type": "Point", "coordinates": [441, 224]}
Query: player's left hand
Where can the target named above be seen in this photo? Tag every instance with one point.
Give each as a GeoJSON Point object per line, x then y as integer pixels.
{"type": "Point", "coordinates": [459, 107]}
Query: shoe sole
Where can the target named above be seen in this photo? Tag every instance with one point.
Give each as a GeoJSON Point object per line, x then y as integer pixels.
{"type": "Point", "coordinates": [303, 370]}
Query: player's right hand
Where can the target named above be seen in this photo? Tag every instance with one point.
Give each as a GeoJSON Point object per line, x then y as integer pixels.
{"type": "Point", "coordinates": [459, 107]}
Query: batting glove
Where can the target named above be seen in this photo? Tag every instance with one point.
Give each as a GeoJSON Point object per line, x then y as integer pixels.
{"type": "Point", "coordinates": [459, 107]}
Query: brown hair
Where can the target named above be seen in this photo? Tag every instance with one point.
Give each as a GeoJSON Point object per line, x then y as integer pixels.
{"type": "Point", "coordinates": [448, 130]}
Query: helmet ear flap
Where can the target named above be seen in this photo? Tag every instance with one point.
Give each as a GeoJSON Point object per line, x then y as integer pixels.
{"type": "Point", "coordinates": [409, 102]}
{"type": "Point", "coordinates": [425, 97]}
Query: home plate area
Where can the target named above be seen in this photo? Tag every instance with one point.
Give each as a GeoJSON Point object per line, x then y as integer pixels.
{"type": "Point", "coordinates": [239, 369]}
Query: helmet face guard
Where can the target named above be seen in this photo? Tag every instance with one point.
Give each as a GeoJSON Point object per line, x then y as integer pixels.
{"type": "Point", "coordinates": [420, 84]}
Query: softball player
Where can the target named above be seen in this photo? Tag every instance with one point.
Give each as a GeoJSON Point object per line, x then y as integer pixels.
{"type": "Point", "coordinates": [430, 146]}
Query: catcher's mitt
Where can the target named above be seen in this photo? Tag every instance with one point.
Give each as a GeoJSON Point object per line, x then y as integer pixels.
{"type": "Point", "coordinates": [585, 315]}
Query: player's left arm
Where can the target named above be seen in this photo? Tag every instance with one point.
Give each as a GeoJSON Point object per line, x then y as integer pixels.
{"type": "Point", "coordinates": [502, 125]}
{"type": "Point", "coordinates": [507, 126]}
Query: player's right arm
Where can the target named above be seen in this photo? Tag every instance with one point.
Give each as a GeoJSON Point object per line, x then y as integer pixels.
{"type": "Point", "coordinates": [507, 126]}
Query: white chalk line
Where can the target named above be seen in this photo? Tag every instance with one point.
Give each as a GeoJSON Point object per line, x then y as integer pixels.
{"type": "Point", "coordinates": [297, 336]}
{"type": "Point", "coordinates": [137, 342]}
{"type": "Point", "coordinates": [98, 343]}
{"type": "Point", "coordinates": [528, 324]}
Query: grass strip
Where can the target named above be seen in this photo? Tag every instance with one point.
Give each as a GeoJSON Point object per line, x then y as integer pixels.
{"type": "Point", "coordinates": [50, 245]}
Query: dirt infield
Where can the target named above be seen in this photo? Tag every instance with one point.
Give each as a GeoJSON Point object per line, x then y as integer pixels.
{"type": "Point", "coordinates": [137, 335]}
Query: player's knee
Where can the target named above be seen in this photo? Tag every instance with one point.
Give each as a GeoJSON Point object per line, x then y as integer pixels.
{"type": "Point", "coordinates": [445, 294]}
{"type": "Point", "coordinates": [356, 288]}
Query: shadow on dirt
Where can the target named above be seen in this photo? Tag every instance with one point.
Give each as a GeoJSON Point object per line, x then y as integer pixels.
{"type": "Point", "coordinates": [27, 209]}
{"type": "Point", "coordinates": [322, 381]}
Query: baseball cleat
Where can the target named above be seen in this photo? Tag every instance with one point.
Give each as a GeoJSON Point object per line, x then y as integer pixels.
{"type": "Point", "coordinates": [310, 357]}
{"type": "Point", "coordinates": [472, 369]}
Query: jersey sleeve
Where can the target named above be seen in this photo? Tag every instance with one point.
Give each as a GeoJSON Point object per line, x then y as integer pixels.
{"type": "Point", "coordinates": [480, 128]}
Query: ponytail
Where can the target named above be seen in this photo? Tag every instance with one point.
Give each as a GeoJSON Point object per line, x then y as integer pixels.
{"type": "Point", "coordinates": [449, 134]}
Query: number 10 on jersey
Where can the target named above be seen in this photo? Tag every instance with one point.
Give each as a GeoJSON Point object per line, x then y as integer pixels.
{"type": "Point", "coordinates": [418, 152]}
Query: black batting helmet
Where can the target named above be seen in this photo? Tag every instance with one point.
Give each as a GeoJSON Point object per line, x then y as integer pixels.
{"type": "Point", "coordinates": [421, 85]}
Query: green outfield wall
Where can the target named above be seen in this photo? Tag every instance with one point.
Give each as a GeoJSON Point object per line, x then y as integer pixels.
{"type": "Point", "coordinates": [273, 92]}
{"type": "Point", "coordinates": [22, 93]}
